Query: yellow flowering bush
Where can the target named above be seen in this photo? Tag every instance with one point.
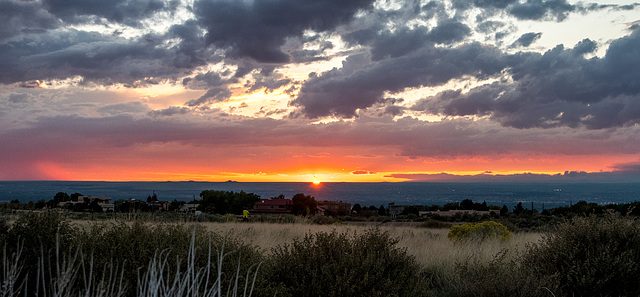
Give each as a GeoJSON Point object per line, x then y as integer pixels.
{"type": "Point", "coordinates": [479, 231]}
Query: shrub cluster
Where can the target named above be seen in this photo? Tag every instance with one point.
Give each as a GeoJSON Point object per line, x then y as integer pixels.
{"type": "Point", "coordinates": [47, 253]}
{"type": "Point", "coordinates": [479, 231]}
{"type": "Point", "coordinates": [590, 256]}
{"type": "Point", "coordinates": [336, 264]}
{"type": "Point", "coordinates": [500, 277]}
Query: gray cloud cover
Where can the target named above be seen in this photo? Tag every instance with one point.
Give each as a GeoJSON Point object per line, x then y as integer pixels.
{"type": "Point", "coordinates": [257, 29]}
{"type": "Point", "coordinates": [558, 88]}
{"type": "Point", "coordinates": [360, 84]}
{"type": "Point", "coordinates": [526, 101]}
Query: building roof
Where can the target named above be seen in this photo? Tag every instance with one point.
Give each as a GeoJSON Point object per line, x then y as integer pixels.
{"type": "Point", "coordinates": [274, 205]}
{"type": "Point", "coordinates": [275, 201]}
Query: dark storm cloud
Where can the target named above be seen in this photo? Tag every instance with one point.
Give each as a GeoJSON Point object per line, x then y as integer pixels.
{"type": "Point", "coordinates": [402, 41]}
{"type": "Point", "coordinates": [31, 50]}
{"type": "Point", "coordinates": [258, 29]}
{"type": "Point", "coordinates": [465, 4]}
{"type": "Point", "coordinates": [46, 136]}
{"type": "Point", "coordinates": [269, 84]}
{"type": "Point", "coordinates": [584, 47]}
{"type": "Point", "coordinates": [360, 84]}
{"type": "Point", "coordinates": [628, 167]}
{"type": "Point", "coordinates": [526, 176]}
{"type": "Point", "coordinates": [128, 12]}
{"type": "Point", "coordinates": [526, 39]}
{"type": "Point", "coordinates": [20, 17]}
{"type": "Point", "coordinates": [489, 26]}
{"type": "Point", "coordinates": [95, 57]}
{"type": "Point", "coordinates": [541, 9]}
{"type": "Point", "coordinates": [123, 108]}
{"type": "Point", "coordinates": [557, 88]}
{"type": "Point", "coordinates": [218, 94]}
{"type": "Point", "coordinates": [191, 51]}
{"type": "Point", "coordinates": [449, 31]}
{"type": "Point", "coordinates": [399, 44]}
{"type": "Point", "coordinates": [169, 111]}
{"type": "Point", "coordinates": [205, 80]}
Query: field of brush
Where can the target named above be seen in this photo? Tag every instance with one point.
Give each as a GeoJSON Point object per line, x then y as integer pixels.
{"type": "Point", "coordinates": [430, 247]}
{"type": "Point", "coordinates": [48, 254]}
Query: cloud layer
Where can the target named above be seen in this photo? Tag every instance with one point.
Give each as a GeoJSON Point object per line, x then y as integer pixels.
{"type": "Point", "coordinates": [429, 84]}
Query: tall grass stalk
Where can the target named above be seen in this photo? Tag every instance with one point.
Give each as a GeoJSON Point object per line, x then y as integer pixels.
{"type": "Point", "coordinates": [11, 269]}
{"type": "Point", "coordinates": [194, 281]}
{"type": "Point", "coordinates": [63, 282]}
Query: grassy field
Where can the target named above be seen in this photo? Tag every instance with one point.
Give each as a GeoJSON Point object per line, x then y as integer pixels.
{"type": "Point", "coordinates": [46, 253]}
{"type": "Point", "coordinates": [430, 247]}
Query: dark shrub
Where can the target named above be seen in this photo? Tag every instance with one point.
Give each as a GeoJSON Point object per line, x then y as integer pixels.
{"type": "Point", "coordinates": [35, 235]}
{"type": "Point", "coordinates": [590, 257]}
{"type": "Point", "coordinates": [134, 244]}
{"type": "Point", "coordinates": [497, 278]}
{"type": "Point", "coordinates": [323, 220]}
{"type": "Point", "coordinates": [37, 231]}
{"type": "Point", "coordinates": [54, 255]}
{"type": "Point", "coordinates": [434, 224]}
{"type": "Point", "coordinates": [332, 264]}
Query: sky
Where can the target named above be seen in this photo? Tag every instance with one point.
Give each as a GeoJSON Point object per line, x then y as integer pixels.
{"type": "Point", "coordinates": [327, 90]}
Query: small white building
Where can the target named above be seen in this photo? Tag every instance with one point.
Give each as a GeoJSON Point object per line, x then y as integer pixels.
{"type": "Point", "coordinates": [103, 202]}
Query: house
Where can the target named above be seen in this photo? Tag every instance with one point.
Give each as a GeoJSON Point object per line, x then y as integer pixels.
{"type": "Point", "coordinates": [395, 210]}
{"type": "Point", "coordinates": [273, 205]}
{"type": "Point", "coordinates": [333, 208]}
{"type": "Point", "coordinates": [103, 202]}
{"type": "Point", "coordinates": [189, 207]}
{"type": "Point", "coordinates": [158, 205]}
{"type": "Point", "coordinates": [453, 212]}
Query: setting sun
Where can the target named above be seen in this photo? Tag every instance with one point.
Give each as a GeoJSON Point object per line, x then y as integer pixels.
{"type": "Point", "coordinates": [316, 182]}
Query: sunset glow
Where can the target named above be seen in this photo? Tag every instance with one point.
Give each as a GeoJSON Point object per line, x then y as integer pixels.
{"type": "Point", "coordinates": [333, 91]}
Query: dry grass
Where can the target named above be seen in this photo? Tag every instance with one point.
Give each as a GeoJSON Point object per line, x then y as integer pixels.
{"type": "Point", "coordinates": [431, 247]}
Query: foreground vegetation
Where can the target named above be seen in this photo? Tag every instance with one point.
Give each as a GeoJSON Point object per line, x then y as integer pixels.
{"type": "Point", "coordinates": [46, 254]}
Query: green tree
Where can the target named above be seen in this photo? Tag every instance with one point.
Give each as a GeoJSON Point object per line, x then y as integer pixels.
{"type": "Point", "coordinates": [356, 208]}
{"type": "Point", "coordinates": [40, 204]}
{"type": "Point", "coordinates": [222, 202]}
{"type": "Point", "coordinates": [304, 204]}
{"type": "Point", "coordinates": [175, 205]}
{"type": "Point", "coordinates": [75, 196]}
{"type": "Point", "coordinates": [518, 209]}
{"type": "Point", "coordinates": [504, 210]}
{"type": "Point", "coordinates": [59, 197]}
{"type": "Point", "coordinates": [382, 211]}
{"type": "Point", "coordinates": [466, 204]}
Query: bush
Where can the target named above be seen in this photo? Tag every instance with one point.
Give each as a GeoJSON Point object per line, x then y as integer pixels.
{"type": "Point", "coordinates": [498, 277]}
{"type": "Point", "coordinates": [134, 244]}
{"type": "Point", "coordinates": [38, 234]}
{"type": "Point", "coordinates": [323, 220]}
{"type": "Point", "coordinates": [47, 254]}
{"type": "Point", "coordinates": [433, 224]}
{"type": "Point", "coordinates": [479, 231]}
{"type": "Point", "coordinates": [332, 264]}
{"type": "Point", "coordinates": [590, 257]}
